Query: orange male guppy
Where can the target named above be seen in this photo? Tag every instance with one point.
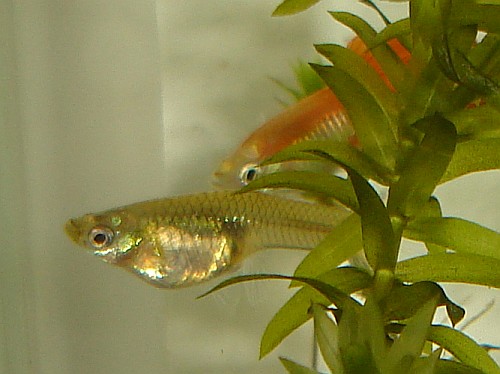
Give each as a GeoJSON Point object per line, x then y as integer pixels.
{"type": "Point", "coordinates": [318, 116]}
{"type": "Point", "coordinates": [179, 242]}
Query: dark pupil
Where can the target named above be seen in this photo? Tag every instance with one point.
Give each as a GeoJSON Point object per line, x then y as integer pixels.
{"type": "Point", "coordinates": [99, 239]}
{"type": "Point", "coordinates": [251, 174]}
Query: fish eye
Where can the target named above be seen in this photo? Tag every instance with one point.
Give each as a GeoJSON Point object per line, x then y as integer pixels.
{"type": "Point", "coordinates": [249, 173]}
{"type": "Point", "coordinates": [100, 236]}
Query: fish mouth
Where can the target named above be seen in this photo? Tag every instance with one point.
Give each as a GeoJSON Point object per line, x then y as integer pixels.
{"type": "Point", "coordinates": [72, 230]}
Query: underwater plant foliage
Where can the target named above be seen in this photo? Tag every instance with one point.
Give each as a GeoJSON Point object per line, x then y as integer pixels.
{"type": "Point", "coordinates": [441, 121]}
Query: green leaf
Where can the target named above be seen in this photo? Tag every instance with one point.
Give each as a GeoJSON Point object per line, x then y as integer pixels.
{"type": "Point", "coordinates": [485, 55]}
{"type": "Point", "coordinates": [431, 91]}
{"type": "Point", "coordinates": [293, 153]}
{"type": "Point", "coordinates": [456, 234]}
{"type": "Point", "coordinates": [424, 14]}
{"type": "Point", "coordinates": [295, 368]}
{"type": "Point", "coordinates": [453, 367]}
{"type": "Point", "coordinates": [488, 2]}
{"type": "Point", "coordinates": [432, 209]}
{"type": "Point", "coordinates": [372, 126]}
{"type": "Point", "coordinates": [362, 28]}
{"type": "Point", "coordinates": [371, 327]}
{"type": "Point", "coordinates": [445, 47]}
{"type": "Point", "coordinates": [343, 242]}
{"type": "Point", "coordinates": [485, 16]}
{"type": "Point", "coordinates": [457, 67]}
{"type": "Point", "coordinates": [426, 365]}
{"type": "Point", "coordinates": [391, 64]}
{"type": "Point", "coordinates": [481, 122]}
{"type": "Point", "coordinates": [326, 333]}
{"type": "Point", "coordinates": [451, 267]}
{"type": "Point", "coordinates": [424, 167]}
{"type": "Point", "coordinates": [295, 93]}
{"type": "Point", "coordinates": [408, 347]}
{"type": "Point", "coordinates": [397, 30]}
{"type": "Point", "coordinates": [379, 242]}
{"type": "Point", "coordinates": [295, 312]}
{"type": "Point", "coordinates": [463, 348]}
{"type": "Point", "coordinates": [308, 82]}
{"type": "Point", "coordinates": [473, 156]}
{"type": "Point", "coordinates": [354, 328]}
{"type": "Point", "coordinates": [359, 69]}
{"type": "Point", "coordinates": [333, 295]}
{"type": "Point", "coordinates": [289, 7]}
{"type": "Point", "coordinates": [307, 79]}
{"type": "Point", "coordinates": [325, 185]}
{"type": "Point", "coordinates": [473, 77]}
{"type": "Point", "coordinates": [443, 366]}
{"type": "Point", "coordinates": [336, 152]}
{"type": "Point", "coordinates": [405, 300]}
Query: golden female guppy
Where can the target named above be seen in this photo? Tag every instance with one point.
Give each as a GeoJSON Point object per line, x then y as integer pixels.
{"type": "Point", "coordinates": [178, 242]}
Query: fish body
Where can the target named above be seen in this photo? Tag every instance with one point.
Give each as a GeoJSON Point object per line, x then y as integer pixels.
{"type": "Point", "coordinates": [179, 242]}
{"type": "Point", "coordinates": [318, 116]}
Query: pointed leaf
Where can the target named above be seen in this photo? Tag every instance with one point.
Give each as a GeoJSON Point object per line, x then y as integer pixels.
{"type": "Point", "coordinates": [432, 209]}
{"type": "Point", "coordinates": [370, 123]}
{"type": "Point", "coordinates": [292, 153]}
{"type": "Point", "coordinates": [485, 16]}
{"type": "Point", "coordinates": [391, 64]}
{"type": "Point", "coordinates": [454, 367]}
{"type": "Point", "coordinates": [357, 356]}
{"type": "Point", "coordinates": [343, 242]}
{"type": "Point", "coordinates": [408, 347]}
{"type": "Point", "coordinates": [397, 30]}
{"type": "Point", "coordinates": [426, 365]}
{"type": "Point", "coordinates": [451, 267]}
{"type": "Point", "coordinates": [431, 91]}
{"type": "Point", "coordinates": [293, 92]}
{"type": "Point", "coordinates": [323, 184]}
{"type": "Point", "coordinates": [463, 348]}
{"type": "Point", "coordinates": [307, 79]}
{"type": "Point", "coordinates": [336, 152]}
{"type": "Point", "coordinates": [405, 300]}
{"type": "Point", "coordinates": [448, 45]}
{"type": "Point", "coordinates": [289, 7]}
{"type": "Point", "coordinates": [457, 67]}
{"type": "Point", "coordinates": [326, 333]}
{"type": "Point", "coordinates": [379, 242]}
{"type": "Point", "coordinates": [423, 14]}
{"type": "Point", "coordinates": [456, 234]}
{"type": "Point", "coordinates": [359, 69]}
{"type": "Point", "coordinates": [295, 368]}
{"type": "Point", "coordinates": [473, 77]}
{"type": "Point", "coordinates": [357, 24]}
{"type": "Point", "coordinates": [473, 156]}
{"type": "Point", "coordinates": [485, 55]}
{"type": "Point", "coordinates": [424, 167]}
{"type": "Point", "coordinates": [333, 295]}
{"type": "Point", "coordinates": [481, 122]}
{"type": "Point", "coordinates": [295, 311]}
{"type": "Point", "coordinates": [371, 326]}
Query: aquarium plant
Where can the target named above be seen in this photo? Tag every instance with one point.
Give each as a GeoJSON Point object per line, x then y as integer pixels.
{"type": "Point", "coordinates": [439, 121]}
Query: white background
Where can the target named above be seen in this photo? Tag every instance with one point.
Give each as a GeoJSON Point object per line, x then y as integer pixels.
{"type": "Point", "coordinates": [111, 102]}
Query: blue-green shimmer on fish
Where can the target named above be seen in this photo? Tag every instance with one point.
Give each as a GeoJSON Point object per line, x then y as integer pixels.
{"type": "Point", "coordinates": [178, 242]}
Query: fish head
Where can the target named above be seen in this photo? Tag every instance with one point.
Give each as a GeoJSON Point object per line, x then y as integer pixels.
{"type": "Point", "coordinates": [110, 236]}
{"type": "Point", "coordinates": [167, 253]}
{"type": "Point", "coordinates": [240, 169]}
